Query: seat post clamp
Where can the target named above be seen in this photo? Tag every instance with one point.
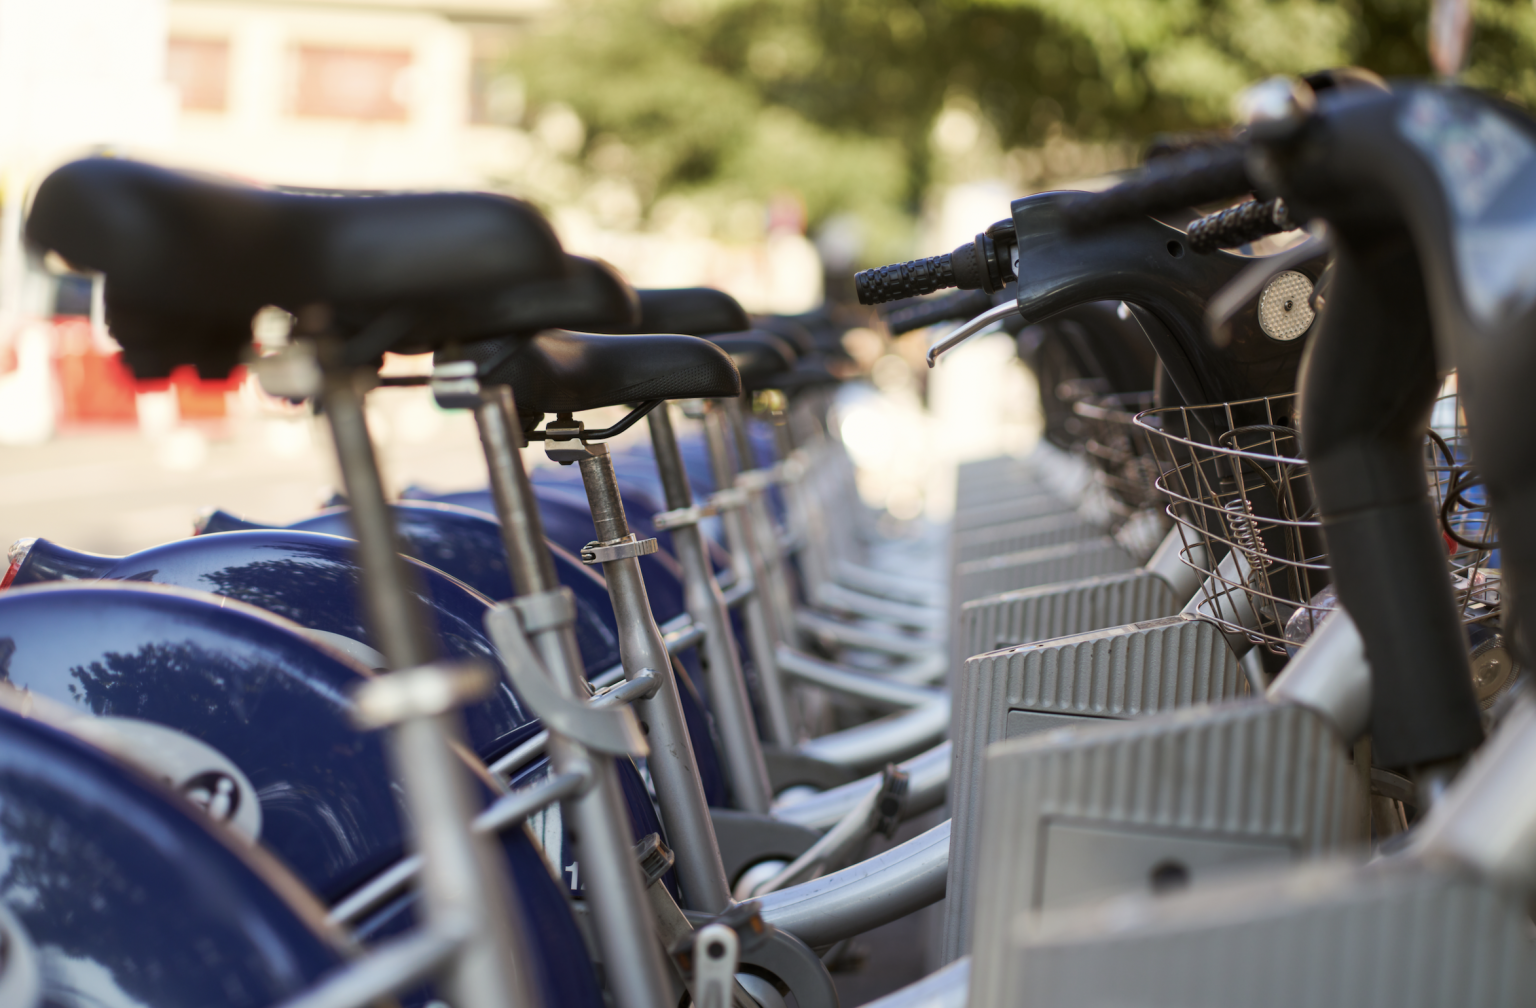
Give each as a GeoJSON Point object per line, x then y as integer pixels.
{"type": "Point", "coordinates": [422, 691]}
{"type": "Point", "coordinates": [758, 479]}
{"type": "Point", "coordinates": [547, 610]}
{"type": "Point", "coordinates": [678, 517]}
{"type": "Point", "coordinates": [629, 546]}
{"type": "Point", "coordinates": [729, 499]}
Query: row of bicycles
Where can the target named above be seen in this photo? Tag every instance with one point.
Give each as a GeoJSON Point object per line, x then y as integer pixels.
{"type": "Point", "coordinates": [1221, 691]}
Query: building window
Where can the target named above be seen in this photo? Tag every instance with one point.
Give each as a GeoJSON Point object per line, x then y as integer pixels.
{"type": "Point", "coordinates": [200, 70]}
{"type": "Point", "coordinates": [352, 83]}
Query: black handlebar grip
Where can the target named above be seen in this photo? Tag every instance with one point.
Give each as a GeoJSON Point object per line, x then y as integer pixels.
{"type": "Point", "coordinates": [1239, 225]}
{"type": "Point", "coordinates": [959, 305]}
{"type": "Point", "coordinates": [978, 265]}
{"type": "Point", "coordinates": [904, 280]}
{"type": "Point", "coordinates": [1198, 176]}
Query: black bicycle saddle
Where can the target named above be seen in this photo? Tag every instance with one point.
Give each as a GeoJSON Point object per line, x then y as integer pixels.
{"type": "Point", "coordinates": [557, 371]}
{"type": "Point", "coordinates": [591, 297]}
{"type": "Point", "coordinates": [697, 311]}
{"type": "Point", "coordinates": [188, 259]}
{"type": "Point", "coordinates": [788, 330]}
{"type": "Point", "coordinates": [760, 357]}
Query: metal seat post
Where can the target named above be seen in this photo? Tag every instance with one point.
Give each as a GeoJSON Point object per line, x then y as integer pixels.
{"type": "Point", "coordinates": [761, 528]}
{"type": "Point", "coordinates": [762, 627]}
{"type": "Point", "coordinates": [622, 916]}
{"type": "Point", "coordinates": [673, 769]}
{"type": "Point", "coordinates": [467, 894]}
{"type": "Point", "coordinates": [741, 748]}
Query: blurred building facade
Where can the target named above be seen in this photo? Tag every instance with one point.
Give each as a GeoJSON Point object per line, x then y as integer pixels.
{"type": "Point", "coordinates": [345, 93]}
{"type": "Point", "coordinates": [349, 94]}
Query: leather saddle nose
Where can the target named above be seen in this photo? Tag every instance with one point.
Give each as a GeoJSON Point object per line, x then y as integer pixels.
{"type": "Point", "coordinates": [759, 356]}
{"type": "Point", "coordinates": [558, 371]}
{"type": "Point", "coordinates": [697, 311]}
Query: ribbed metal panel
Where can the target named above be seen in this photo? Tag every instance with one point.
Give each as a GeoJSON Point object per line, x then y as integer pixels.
{"type": "Point", "coordinates": [1040, 566]}
{"type": "Point", "coordinates": [1391, 934]}
{"type": "Point", "coordinates": [987, 470]}
{"type": "Point", "coordinates": [1121, 672]}
{"type": "Point", "coordinates": [996, 491]}
{"type": "Point", "coordinates": [1240, 773]}
{"type": "Point", "coordinates": [1011, 537]}
{"type": "Point", "coordinates": [1031, 502]}
{"type": "Point", "coordinates": [1057, 610]}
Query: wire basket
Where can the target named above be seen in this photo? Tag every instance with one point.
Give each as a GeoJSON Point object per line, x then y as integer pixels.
{"type": "Point", "coordinates": [1120, 451]}
{"type": "Point", "coordinates": [1241, 496]}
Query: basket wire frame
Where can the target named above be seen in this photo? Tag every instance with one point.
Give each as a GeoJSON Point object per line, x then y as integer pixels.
{"type": "Point", "coordinates": [1240, 492]}
{"type": "Point", "coordinates": [1120, 451]}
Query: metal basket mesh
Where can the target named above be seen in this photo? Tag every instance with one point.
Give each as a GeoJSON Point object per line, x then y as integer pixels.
{"type": "Point", "coordinates": [1120, 451]}
{"type": "Point", "coordinates": [1241, 496]}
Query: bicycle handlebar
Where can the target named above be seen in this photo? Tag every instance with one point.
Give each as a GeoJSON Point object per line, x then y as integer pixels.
{"type": "Point", "coordinates": [950, 307]}
{"type": "Point", "coordinates": [1239, 225]}
{"type": "Point", "coordinates": [1202, 175]}
{"type": "Point", "coordinates": [982, 264]}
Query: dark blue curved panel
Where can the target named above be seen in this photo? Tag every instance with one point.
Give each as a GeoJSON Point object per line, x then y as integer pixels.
{"type": "Point", "coordinates": [466, 543]}
{"type": "Point", "coordinates": [273, 703]}
{"type": "Point", "coordinates": [238, 679]}
{"type": "Point", "coordinates": [130, 896]}
{"type": "Point", "coordinates": [314, 581]}
{"type": "Point", "coordinates": [568, 523]}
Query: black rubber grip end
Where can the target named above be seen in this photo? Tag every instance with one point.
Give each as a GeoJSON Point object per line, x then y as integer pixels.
{"type": "Point", "coordinates": [904, 280]}
{"type": "Point", "coordinates": [1239, 225]}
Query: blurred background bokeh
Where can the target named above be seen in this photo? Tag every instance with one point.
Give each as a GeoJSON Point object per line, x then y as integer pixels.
{"type": "Point", "coordinates": [767, 147]}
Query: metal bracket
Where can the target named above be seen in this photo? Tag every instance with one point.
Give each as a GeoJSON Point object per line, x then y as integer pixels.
{"type": "Point", "coordinates": [758, 479]}
{"type": "Point", "coordinates": [424, 691]}
{"type": "Point", "coordinates": [728, 499]}
{"type": "Point", "coordinates": [548, 610]}
{"type": "Point", "coordinates": [716, 951]}
{"type": "Point", "coordinates": [629, 546]}
{"type": "Point", "coordinates": [456, 385]}
{"type": "Point", "coordinates": [678, 517]}
{"type": "Point", "coordinates": [564, 441]}
{"type": "Point", "coordinates": [612, 730]}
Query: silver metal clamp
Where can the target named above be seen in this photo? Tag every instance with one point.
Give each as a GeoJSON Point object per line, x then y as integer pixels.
{"type": "Point", "coordinates": [679, 517]}
{"type": "Point", "coordinates": [613, 730]}
{"type": "Point", "coordinates": [728, 499]}
{"type": "Point", "coordinates": [629, 546]}
{"type": "Point", "coordinates": [424, 691]}
{"type": "Point", "coordinates": [759, 479]}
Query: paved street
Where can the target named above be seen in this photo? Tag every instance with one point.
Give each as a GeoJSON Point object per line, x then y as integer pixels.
{"type": "Point", "coordinates": [117, 490]}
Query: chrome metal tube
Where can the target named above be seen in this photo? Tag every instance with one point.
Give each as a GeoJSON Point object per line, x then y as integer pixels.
{"type": "Point", "coordinates": [741, 749]}
{"type": "Point", "coordinates": [873, 744]}
{"type": "Point", "coordinates": [1331, 676]}
{"type": "Point", "coordinates": [393, 966]}
{"type": "Point", "coordinates": [875, 891]}
{"type": "Point", "coordinates": [464, 885]}
{"type": "Point", "coordinates": [621, 913]}
{"type": "Point", "coordinates": [762, 633]}
{"type": "Point", "coordinates": [761, 530]}
{"type": "Point", "coordinates": [872, 688]}
{"type": "Point", "coordinates": [679, 793]}
{"type": "Point", "coordinates": [1487, 816]}
{"type": "Point", "coordinates": [927, 784]}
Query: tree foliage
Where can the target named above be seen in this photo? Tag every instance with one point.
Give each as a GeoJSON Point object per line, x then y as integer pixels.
{"type": "Point", "coordinates": [836, 100]}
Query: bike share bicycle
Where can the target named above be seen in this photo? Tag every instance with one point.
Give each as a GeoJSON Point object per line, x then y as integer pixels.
{"type": "Point", "coordinates": [1391, 174]}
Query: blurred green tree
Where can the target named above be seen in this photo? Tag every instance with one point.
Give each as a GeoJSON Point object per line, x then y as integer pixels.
{"type": "Point", "coordinates": [836, 100]}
